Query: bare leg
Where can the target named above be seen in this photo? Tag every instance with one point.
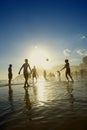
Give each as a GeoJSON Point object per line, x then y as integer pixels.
{"type": "Point", "coordinates": [71, 77]}
{"type": "Point", "coordinates": [26, 81]}
{"type": "Point", "coordinates": [9, 82]}
{"type": "Point", "coordinates": [67, 77]}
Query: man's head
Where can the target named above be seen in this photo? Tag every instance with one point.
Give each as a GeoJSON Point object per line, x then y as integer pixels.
{"type": "Point", "coordinates": [26, 60]}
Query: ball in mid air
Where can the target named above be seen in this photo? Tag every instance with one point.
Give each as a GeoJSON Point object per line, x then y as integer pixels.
{"type": "Point", "coordinates": [47, 59]}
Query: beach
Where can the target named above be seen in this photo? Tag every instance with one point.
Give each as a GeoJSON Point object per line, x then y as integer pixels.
{"type": "Point", "coordinates": [45, 105]}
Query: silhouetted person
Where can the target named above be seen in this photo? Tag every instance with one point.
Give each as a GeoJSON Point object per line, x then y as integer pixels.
{"type": "Point", "coordinates": [25, 67]}
{"type": "Point", "coordinates": [68, 72]}
{"type": "Point", "coordinates": [10, 74]}
{"type": "Point", "coordinates": [59, 75]}
{"type": "Point", "coordinates": [34, 73]}
{"type": "Point", "coordinates": [45, 74]}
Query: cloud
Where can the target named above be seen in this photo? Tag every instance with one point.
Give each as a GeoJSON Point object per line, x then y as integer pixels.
{"type": "Point", "coordinates": [66, 52]}
{"type": "Point", "coordinates": [82, 37]}
{"type": "Point", "coordinates": [73, 59]}
{"type": "Point", "coordinates": [82, 52]}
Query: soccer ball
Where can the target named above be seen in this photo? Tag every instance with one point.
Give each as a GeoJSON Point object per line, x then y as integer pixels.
{"type": "Point", "coordinates": [47, 59]}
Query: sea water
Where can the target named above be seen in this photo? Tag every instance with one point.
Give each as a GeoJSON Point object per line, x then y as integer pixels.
{"type": "Point", "coordinates": [46, 105]}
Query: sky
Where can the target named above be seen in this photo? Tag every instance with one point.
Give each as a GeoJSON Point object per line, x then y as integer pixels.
{"type": "Point", "coordinates": [40, 29]}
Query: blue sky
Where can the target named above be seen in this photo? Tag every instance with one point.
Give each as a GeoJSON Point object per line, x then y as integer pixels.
{"type": "Point", "coordinates": [55, 26]}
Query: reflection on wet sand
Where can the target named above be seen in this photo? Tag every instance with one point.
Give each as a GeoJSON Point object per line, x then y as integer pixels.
{"type": "Point", "coordinates": [27, 99]}
{"type": "Point", "coordinates": [10, 97]}
{"type": "Point", "coordinates": [10, 93]}
{"type": "Point", "coordinates": [35, 90]}
{"type": "Point", "coordinates": [41, 95]}
{"type": "Point", "coordinates": [27, 104]}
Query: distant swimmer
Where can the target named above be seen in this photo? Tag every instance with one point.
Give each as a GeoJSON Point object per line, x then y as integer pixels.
{"type": "Point", "coordinates": [34, 73]}
{"type": "Point", "coordinates": [25, 67]}
{"type": "Point", "coordinates": [68, 71]}
{"type": "Point", "coordinates": [45, 74]}
{"type": "Point", "coordinates": [10, 75]}
{"type": "Point", "coordinates": [59, 75]}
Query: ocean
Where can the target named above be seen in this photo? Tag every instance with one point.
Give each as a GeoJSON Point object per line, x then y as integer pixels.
{"type": "Point", "coordinates": [45, 105]}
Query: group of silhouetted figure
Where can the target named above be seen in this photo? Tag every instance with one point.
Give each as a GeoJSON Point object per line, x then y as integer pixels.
{"type": "Point", "coordinates": [67, 72]}
{"type": "Point", "coordinates": [33, 71]}
{"type": "Point", "coordinates": [26, 73]}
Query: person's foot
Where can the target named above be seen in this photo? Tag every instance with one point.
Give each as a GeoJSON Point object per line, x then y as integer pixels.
{"type": "Point", "coordinates": [72, 81]}
{"type": "Point", "coordinates": [28, 85]}
{"type": "Point", "coordinates": [24, 86]}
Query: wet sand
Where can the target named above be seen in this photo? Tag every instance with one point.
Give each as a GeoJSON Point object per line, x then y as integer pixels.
{"type": "Point", "coordinates": [46, 105]}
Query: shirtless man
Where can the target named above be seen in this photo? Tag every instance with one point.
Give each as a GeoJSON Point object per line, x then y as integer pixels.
{"type": "Point", "coordinates": [68, 72]}
{"type": "Point", "coordinates": [25, 67]}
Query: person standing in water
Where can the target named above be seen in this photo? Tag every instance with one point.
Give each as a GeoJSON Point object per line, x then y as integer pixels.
{"type": "Point", "coordinates": [68, 71]}
{"type": "Point", "coordinates": [10, 75]}
{"type": "Point", "coordinates": [25, 67]}
{"type": "Point", "coordinates": [45, 74]}
{"type": "Point", "coordinates": [59, 75]}
{"type": "Point", "coordinates": [34, 73]}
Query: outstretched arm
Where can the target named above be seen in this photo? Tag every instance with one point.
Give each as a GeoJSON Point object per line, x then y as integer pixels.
{"type": "Point", "coordinates": [63, 68]}
{"type": "Point", "coordinates": [20, 69]}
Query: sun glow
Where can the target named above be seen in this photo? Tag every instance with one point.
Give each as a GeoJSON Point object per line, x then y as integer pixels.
{"type": "Point", "coordinates": [38, 57]}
